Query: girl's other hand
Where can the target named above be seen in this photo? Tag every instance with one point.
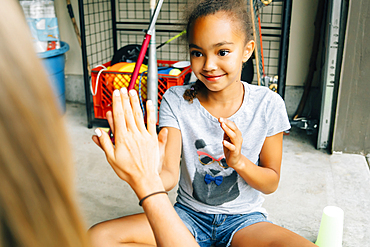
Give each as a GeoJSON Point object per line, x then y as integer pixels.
{"type": "Point", "coordinates": [232, 142]}
{"type": "Point", "coordinates": [135, 157]}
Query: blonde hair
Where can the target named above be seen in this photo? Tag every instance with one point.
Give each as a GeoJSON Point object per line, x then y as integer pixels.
{"type": "Point", "coordinates": [37, 205]}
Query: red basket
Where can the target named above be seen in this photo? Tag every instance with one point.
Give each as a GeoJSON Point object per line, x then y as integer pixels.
{"type": "Point", "coordinates": [104, 82]}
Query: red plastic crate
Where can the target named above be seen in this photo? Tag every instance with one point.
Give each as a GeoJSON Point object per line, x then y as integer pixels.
{"type": "Point", "coordinates": [109, 80]}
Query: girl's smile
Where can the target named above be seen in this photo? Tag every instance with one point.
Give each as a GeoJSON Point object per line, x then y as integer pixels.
{"type": "Point", "coordinates": [212, 77]}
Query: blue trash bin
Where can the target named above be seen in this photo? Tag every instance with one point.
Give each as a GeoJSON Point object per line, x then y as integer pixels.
{"type": "Point", "coordinates": [54, 62]}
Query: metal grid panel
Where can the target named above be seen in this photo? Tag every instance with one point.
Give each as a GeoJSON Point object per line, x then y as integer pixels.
{"type": "Point", "coordinates": [174, 51]}
{"type": "Point", "coordinates": [139, 11]}
{"type": "Point", "coordinates": [271, 14]}
{"type": "Point", "coordinates": [133, 17]}
{"type": "Point", "coordinates": [134, 10]}
{"type": "Point", "coordinates": [98, 31]}
{"type": "Point", "coordinates": [270, 18]}
{"type": "Point", "coordinates": [271, 48]}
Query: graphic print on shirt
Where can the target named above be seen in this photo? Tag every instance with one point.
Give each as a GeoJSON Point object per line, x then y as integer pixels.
{"type": "Point", "coordinates": [214, 182]}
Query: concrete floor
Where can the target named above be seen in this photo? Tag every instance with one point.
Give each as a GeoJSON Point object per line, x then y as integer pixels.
{"type": "Point", "coordinates": [310, 180]}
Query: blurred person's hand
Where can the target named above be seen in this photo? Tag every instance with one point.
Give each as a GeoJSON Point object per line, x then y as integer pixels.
{"type": "Point", "coordinates": [138, 152]}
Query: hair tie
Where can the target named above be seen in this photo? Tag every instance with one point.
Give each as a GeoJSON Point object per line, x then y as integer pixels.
{"type": "Point", "coordinates": [155, 193]}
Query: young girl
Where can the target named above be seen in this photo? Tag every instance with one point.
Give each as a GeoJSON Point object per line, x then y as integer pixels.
{"type": "Point", "coordinates": [229, 134]}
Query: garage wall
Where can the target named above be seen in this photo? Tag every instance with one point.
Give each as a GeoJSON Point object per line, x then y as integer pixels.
{"type": "Point", "coordinates": [67, 34]}
{"type": "Point", "coordinates": [352, 122]}
{"type": "Point", "coordinates": [301, 40]}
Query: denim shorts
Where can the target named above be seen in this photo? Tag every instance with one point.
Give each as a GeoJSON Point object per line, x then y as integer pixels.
{"type": "Point", "coordinates": [216, 229]}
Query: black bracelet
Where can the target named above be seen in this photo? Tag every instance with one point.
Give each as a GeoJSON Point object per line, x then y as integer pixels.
{"type": "Point", "coordinates": [158, 192]}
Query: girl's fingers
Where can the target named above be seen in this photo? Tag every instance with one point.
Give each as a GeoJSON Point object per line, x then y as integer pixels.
{"type": "Point", "coordinates": [150, 120]}
{"type": "Point", "coordinates": [137, 111]}
{"type": "Point", "coordinates": [109, 116]}
{"type": "Point", "coordinates": [229, 123]}
{"type": "Point", "coordinates": [105, 143]}
{"type": "Point", "coordinates": [119, 120]}
{"type": "Point", "coordinates": [229, 132]}
{"type": "Point", "coordinates": [129, 117]}
{"type": "Point", "coordinates": [229, 146]}
{"type": "Point", "coordinates": [230, 129]}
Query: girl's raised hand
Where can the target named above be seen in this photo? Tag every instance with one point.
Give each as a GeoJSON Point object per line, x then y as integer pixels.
{"type": "Point", "coordinates": [232, 142]}
{"type": "Point", "coordinates": [135, 157]}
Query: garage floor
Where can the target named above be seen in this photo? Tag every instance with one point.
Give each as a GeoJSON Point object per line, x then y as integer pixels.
{"type": "Point", "coordinates": [310, 180]}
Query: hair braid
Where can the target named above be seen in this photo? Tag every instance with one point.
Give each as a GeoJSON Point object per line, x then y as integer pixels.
{"type": "Point", "coordinates": [192, 92]}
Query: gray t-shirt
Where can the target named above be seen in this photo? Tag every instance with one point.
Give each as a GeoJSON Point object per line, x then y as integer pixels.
{"type": "Point", "coordinates": [206, 183]}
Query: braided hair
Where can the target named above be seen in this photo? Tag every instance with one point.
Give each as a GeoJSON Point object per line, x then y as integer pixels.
{"type": "Point", "coordinates": [192, 92]}
{"type": "Point", "coordinates": [237, 10]}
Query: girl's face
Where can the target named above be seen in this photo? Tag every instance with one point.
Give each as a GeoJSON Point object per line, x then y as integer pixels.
{"type": "Point", "coordinates": [217, 51]}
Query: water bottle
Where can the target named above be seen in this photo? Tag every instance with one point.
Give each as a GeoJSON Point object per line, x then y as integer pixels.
{"type": "Point", "coordinates": [41, 18]}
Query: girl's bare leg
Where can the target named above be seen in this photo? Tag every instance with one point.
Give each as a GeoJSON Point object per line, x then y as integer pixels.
{"type": "Point", "coordinates": [267, 234]}
{"type": "Point", "coordinates": [133, 230]}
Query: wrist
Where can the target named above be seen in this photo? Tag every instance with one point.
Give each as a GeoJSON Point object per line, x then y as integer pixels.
{"type": "Point", "coordinates": [146, 186]}
{"type": "Point", "coordinates": [240, 164]}
{"type": "Point", "coordinates": [151, 195]}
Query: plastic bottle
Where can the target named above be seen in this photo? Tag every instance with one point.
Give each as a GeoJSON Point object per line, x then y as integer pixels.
{"type": "Point", "coordinates": [41, 18]}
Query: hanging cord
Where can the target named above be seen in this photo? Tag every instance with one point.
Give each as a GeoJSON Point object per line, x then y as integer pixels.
{"type": "Point", "coordinates": [97, 79]}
